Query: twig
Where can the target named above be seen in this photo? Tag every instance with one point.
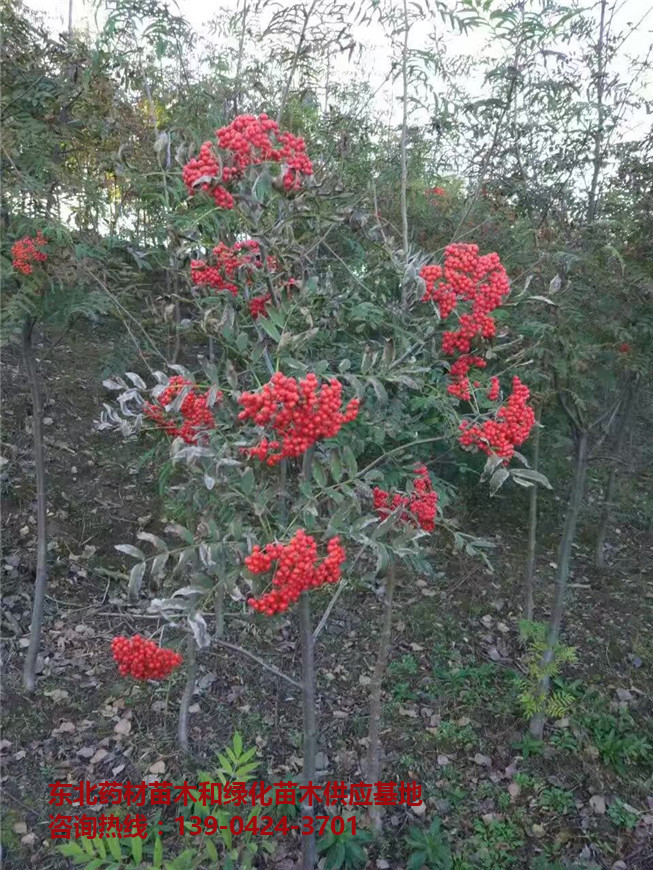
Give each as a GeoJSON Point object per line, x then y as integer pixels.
{"type": "Point", "coordinates": [118, 305]}
{"type": "Point", "coordinates": [259, 661]}
{"type": "Point", "coordinates": [334, 599]}
{"type": "Point", "coordinates": [189, 688]}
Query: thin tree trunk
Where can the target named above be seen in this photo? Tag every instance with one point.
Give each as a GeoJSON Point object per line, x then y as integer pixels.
{"type": "Point", "coordinates": [219, 611]}
{"type": "Point", "coordinates": [239, 64]}
{"type": "Point", "coordinates": [308, 676]}
{"type": "Point", "coordinates": [189, 688]}
{"type": "Point", "coordinates": [562, 576]}
{"type": "Point", "coordinates": [374, 732]}
{"type": "Point", "coordinates": [177, 321]}
{"type": "Point", "coordinates": [310, 727]}
{"type": "Point", "coordinates": [404, 160]}
{"type": "Point", "coordinates": [41, 579]}
{"type": "Point", "coordinates": [529, 571]}
{"type": "Point", "coordinates": [598, 137]}
{"type": "Point", "coordinates": [293, 67]}
{"type": "Point", "coordinates": [604, 522]}
{"type": "Point", "coordinates": [327, 83]}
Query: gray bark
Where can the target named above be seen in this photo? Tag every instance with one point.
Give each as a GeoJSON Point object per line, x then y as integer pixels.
{"type": "Point", "coordinates": [374, 732]}
{"type": "Point", "coordinates": [562, 576]}
{"type": "Point", "coordinates": [404, 163]}
{"type": "Point", "coordinates": [189, 688]}
{"type": "Point", "coordinates": [599, 134]}
{"type": "Point", "coordinates": [606, 513]}
{"type": "Point", "coordinates": [41, 579]}
{"type": "Point", "coordinates": [310, 726]}
{"type": "Point", "coordinates": [529, 570]}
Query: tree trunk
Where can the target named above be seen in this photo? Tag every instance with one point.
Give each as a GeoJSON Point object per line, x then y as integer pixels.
{"type": "Point", "coordinates": [562, 575]}
{"type": "Point", "coordinates": [293, 66]}
{"type": "Point", "coordinates": [219, 611]}
{"type": "Point", "coordinates": [189, 688]}
{"type": "Point", "coordinates": [40, 584]}
{"type": "Point", "coordinates": [177, 344]}
{"type": "Point", "coordinates": [404, 163]}
{"type": "Point", "coordinates": [239, 64]}
{"type": "Point", "coordinates": [310, 728]}
{"type": "Point", "coordinates": [597, 160]}
{"type": "Point", "coordinates": [529, 571]}
{"type": "Point", "coordinates": [374, 732]}
{"type": "Point", "coordinates": [604, 522]}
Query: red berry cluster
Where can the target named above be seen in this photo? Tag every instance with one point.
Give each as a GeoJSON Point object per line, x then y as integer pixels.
{"type": "Point", "coordinates": [257, 305]}
{"type": "Point", "coordinates": [205, 165]}
{"type": "Point", "coordinates": [419, 507]}
{"type": "Point", "coordinates": [301, 412]}
{"type": "Point", "coordinates": [482, 282]}
{"type": "Point", "coordinates": [479, 280]}
{"type": "Point", "coordinates": [494, 389]}
{"type": "Point", "coordinates": [24, 253]}
{"type": "Point", "coordinates": [244, 256]}
{"type": "Point", "coordinates": [248, 141]}
{"type": "Point", "coordinates": [194, 411]}
{"type": "Point", "coordinates": [297, 570]}
{"type": "Point", "coordinates": [143, 659]}
{"type": "Point", "coordinates": [624, 348]}
{"type": "Point", "coordinates": [435, 192]}
{"type": "Point", "coordinates": [460, 387]}
{"type": "Point", "coordinates": [512, 425]}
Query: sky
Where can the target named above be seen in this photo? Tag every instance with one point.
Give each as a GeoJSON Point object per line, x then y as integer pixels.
{"type": "Point", "coordinates": [632, 17]}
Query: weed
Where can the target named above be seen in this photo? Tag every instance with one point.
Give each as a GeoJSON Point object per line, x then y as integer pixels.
{"type": "Point", "coordinates": [344, 851]}
{"type": "Point", "coordinates": [622, 814]}
{"type": "Point", "coordinates": [557, 800]}
{"type": "Point", "coordinates": [559, 701]}
{"type": "Point", "coordinates": [493, 845]}
{"type": "Point", "coordinates": [565, 741]}
{"type": "Point", "coordinates": [428, 848]}
{"type": "Point", "coordinates": [406, 666]}
{"type": "Point", "coordinates": [456, 736]}
{"type": "Point", "coordinates": [503, 801]}
{"type": "Point", "coordinates": [528, 746]}
{"type": "Point", "coordinates": [617, 739]}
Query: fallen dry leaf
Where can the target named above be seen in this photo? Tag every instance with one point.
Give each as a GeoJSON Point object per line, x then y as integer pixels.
{"type": "Point", "coordinates": [597, 803]}
{"type": "Point", "coordinates": [482, 760]}
{"type": "Point", "coordinates": [64, 728]}
{"type": "Point", "coordinates": [99, 756]}
{"type": "Point", "coordinates": [514, 790]}
{"type": "Point", "coordinates": [57, 695]}
{"type": "Point", "coordinates": [86, 751]}
{"type": "Point", "coordinates": [123, 727]}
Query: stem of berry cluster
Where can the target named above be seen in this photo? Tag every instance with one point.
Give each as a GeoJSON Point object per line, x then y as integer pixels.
{"type": "Point", "coordinates": [374, 731]}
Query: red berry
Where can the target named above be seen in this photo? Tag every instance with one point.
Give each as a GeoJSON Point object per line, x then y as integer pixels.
{"type": "Point", "coordinates": [143, 659]}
